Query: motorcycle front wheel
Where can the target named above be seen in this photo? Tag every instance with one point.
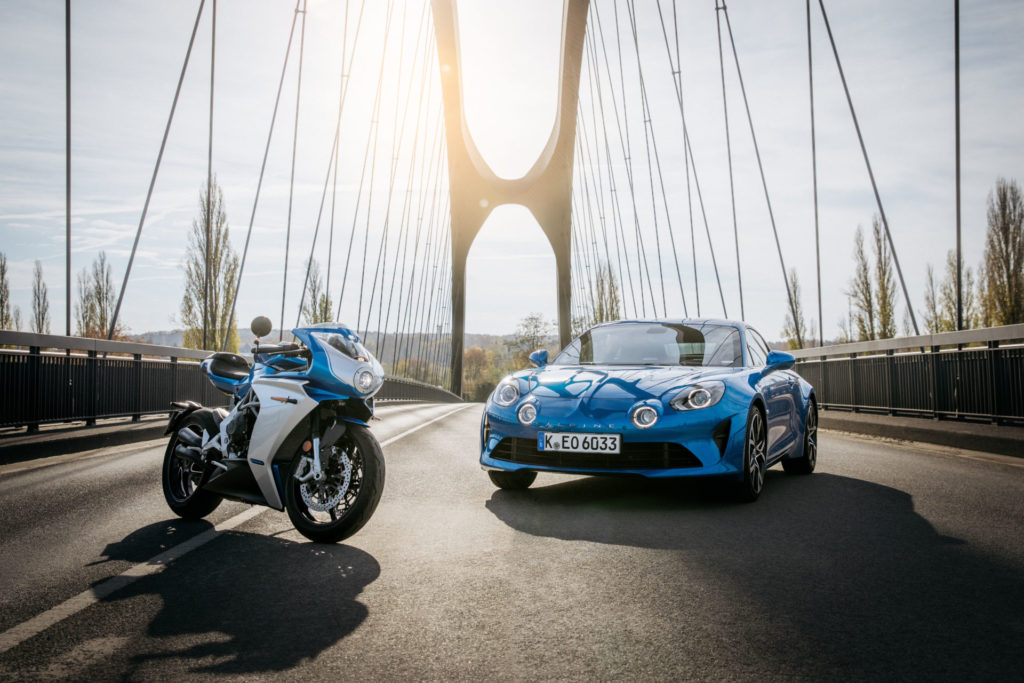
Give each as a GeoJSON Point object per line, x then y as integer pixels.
{"type": "Point", "coordinates": [334, 508]}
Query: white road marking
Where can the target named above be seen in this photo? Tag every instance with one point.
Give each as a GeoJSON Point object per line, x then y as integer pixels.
{"type": "Point", "coordinates": [18, 634]}
{"type": "Point", "coordinates": [421, 426]}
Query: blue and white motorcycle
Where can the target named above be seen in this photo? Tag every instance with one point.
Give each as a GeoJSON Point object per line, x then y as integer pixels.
{"type": "Point", "coordinates": [296, 437]}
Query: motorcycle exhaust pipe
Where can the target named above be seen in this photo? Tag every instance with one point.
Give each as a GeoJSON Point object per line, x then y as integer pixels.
{"type": "Point", "coordinates": [190, 437]}
{"type": "Point", "coordinates": [187, 452]}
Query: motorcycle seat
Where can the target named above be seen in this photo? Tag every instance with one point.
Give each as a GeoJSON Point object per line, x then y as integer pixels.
{"type": "Point", "coordinates": [229, 366]}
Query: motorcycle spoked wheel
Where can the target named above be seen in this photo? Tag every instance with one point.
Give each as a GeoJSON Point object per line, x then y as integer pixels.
{"type": "Point", "coordinates": [182, 480]}
{"type": "Point", "coordinates": [357, 458]}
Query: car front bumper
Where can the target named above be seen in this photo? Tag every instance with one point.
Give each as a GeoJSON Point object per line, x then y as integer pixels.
{"type": "Point", "coordinates": [681, 444]}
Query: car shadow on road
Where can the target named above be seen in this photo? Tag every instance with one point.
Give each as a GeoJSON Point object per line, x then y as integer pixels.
{"type": "Point", "coordinates": [249, 603]}
{"type": "Point", "coordinates": [839, 570]}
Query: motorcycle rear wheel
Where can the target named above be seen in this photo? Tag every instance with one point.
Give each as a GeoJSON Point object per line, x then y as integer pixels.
{"type": "Point", "coordinates": [182, 480]}
{"type": "Point", "coordinates": [359, 496]}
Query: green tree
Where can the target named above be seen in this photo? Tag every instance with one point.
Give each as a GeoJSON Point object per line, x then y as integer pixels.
{"type": "Point", "coordinates": [6, 319]}
{"type": "Point", "coordinates": [794, 331]}
{"type": "Point", "coordinates": [861, 291]}
{"type": "Point", "coordinates": [532, 333]}
{"type": "Point", "coordinates": [885, 284]}
{"type": "Point", "coordinates": [932, 315]}
{"type": "Point", "coordinates": [947, 297]}
{"type": "Point", "coordinates": [223, 272]}
{"type": "Point", "coordinates": [1003, 284]}
{"type": "Point", "coordinates": [40, 302]}
{"type": "Point", "coordinates": [317, 307]}
{"type": "Point", "coordinates": [96, 300]}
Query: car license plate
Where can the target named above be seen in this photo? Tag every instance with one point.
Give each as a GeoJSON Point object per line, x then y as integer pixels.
{"type": "Point", "coordinates": [578, 443]}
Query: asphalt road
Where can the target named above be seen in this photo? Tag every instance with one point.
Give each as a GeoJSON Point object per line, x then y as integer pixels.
{"type": "Point", "coordinates": [890, 562]}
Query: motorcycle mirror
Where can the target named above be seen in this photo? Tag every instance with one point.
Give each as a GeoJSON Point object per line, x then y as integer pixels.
{"type": "Point", "coordinates": [261, 326]}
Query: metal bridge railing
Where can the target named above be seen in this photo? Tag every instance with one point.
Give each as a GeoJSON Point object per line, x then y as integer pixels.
{"type": "Point", "coordinates": [969, 375]}
{"type": "Point", "coordinates": [49, 378]}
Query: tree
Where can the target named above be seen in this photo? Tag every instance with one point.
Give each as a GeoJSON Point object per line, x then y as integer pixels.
{"type": "Point", "coordinates": [607, 300]}
{"type": "Point", "coordinates": [794, 331]}
{"type": "Point", "coordinates": [317, 307]}
{"type": "Point", "coordinates": [6, 319]}
{"type": "Point", "coordinates": [223, 271]}
{"type": "Point", "coordinates": [1003, 298]}
{"type": "Point", "coordinates": [885, 285]}
{"type": "Point", "coordinates": [861, 292]}
{"type": "Point", "coordinates": [947, 297]}
{"type": "Point", "coordinates": [96, 300]}
{"type": "Point", "coordinates": [932, 315]}
{"type": "Point", "coordinates": [40, 302]}
{"type": "Point", "coordinates": [532, 333]}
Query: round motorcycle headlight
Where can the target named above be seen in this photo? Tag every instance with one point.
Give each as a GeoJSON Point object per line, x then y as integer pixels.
{"type": "Point", "coordinates": [644, 417]}
{"type": "Point", "coordinates": [506, 394]}
{"type": "Point", "coordinates": [527, 413]}
{"type": "Point", "coordinates": [364, 380]}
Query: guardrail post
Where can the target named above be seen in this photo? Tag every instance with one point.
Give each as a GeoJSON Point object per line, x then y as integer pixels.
{"type": "Point", "coordinates": [853, 382]}
{"type": "Point", "coordinates": [35, 363]}
{"type": "Point", "coordinates": [890, 371]}
{"type": "Point", "coordinates": [93, 388]}
{"type": "Point", "coordinates": [992, 379]}
{"type": "Point", "coordinates": [933, 394]}
{"type": "Point", "coordinates": [137, 385]}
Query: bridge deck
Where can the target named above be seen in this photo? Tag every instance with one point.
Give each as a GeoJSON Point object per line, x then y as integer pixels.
{"type": "Point", "coordinates": [892, 561]}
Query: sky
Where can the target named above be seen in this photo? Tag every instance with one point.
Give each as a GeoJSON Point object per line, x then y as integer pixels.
{"type": "Point", "coordinates": [126, 57]}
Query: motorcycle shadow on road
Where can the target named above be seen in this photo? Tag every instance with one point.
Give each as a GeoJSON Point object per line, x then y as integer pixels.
{"type": "Point", "coordinates": [844, 570]}
{"type": "Point", "coordinates": [245, 603]}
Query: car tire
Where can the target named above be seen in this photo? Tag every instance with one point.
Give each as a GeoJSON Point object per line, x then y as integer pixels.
{"type": "Point", "coordinates": [755, 457]}
{"type": "Point", "coordinates": [809, 458]}
{"type": "Point", "coordinates": [512, 481]}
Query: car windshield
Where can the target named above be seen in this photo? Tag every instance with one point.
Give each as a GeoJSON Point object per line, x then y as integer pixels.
{"type": "Point", "coordinates": [698, 344]}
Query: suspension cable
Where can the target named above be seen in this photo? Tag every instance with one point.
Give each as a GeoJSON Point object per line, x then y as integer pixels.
{"type": "Point", "coordinates": [728, 155]}
{"type": "Point", "coordinates": [814, 175]}
{"type": "Point", "coordinates": [871, 175]}
{"type": "Point", "coordinates": [209, 180]}
{"type": "Point", "coordinates": [332, 160]}
{"type": "Point", "coordinates": [291, 182]}
{"type": "Point", "coordinates": [156, 170]}
{"type": "Point", "coordinates": [764, 181]}
{"type": "Point", "coordinates": [259, 183]}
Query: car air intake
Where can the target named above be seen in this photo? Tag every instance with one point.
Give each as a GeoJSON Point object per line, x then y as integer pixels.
{"type": "Point", "coordinates": [633, 456]}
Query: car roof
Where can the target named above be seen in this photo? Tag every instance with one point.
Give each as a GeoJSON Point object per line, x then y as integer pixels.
{"type": "Point", "coordinates": [739, 324]}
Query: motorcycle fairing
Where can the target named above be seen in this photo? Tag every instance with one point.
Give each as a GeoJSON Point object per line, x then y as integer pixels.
{"type": "Point", "coordinates": [283, 405]}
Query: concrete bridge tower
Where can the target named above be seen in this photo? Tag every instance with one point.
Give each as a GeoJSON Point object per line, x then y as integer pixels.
{"type": "Point", "coordinates": [546, 190]}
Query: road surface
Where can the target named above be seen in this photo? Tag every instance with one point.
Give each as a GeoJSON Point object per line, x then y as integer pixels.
{"type": "Point", "coordinates": [892, 561]}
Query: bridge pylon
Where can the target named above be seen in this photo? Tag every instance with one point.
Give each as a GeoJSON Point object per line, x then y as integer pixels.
{"type": "Point", "coordinates": [546, 190]}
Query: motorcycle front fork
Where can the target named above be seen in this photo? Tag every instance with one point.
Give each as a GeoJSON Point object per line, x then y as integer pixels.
{"type": "Point", "coordinates": [312, 465]}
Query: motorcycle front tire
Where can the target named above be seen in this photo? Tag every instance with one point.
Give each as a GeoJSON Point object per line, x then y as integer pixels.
{"type": "Point", "coordinates": [356, 510]}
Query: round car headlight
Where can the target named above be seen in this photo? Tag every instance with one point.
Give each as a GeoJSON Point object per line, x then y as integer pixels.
{"type": "Point", "coordinates": [364, 380]}
{"type": "Point", "coordinates": [644, 417]}
{"type": "Point", "coordinates": [527, 413]}
{"type": "Point", "coordinates": [506, 394]}
{"type": "Point", "coordinates": [698, 396]}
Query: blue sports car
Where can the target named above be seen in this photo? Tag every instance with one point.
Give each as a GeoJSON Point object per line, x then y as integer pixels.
{"type": "Point", "coordinates": [655, 398]}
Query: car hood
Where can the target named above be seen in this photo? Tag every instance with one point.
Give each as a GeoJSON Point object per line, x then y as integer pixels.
{"type": "Point", "coordinates": [610, 387]}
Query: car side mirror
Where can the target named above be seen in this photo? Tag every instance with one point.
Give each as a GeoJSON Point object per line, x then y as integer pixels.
{"type": "Point", "coordinates": [539, 358]}
{"type": "Point", "coordinates": [778, 360]}
{"type": "Point", "coordinates": [261, 326]}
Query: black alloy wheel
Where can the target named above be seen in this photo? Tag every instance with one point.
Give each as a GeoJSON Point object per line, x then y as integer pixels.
{"type": "Point", "coordinates": [183, 478]}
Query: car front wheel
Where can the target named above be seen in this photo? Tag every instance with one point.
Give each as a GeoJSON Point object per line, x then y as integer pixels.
{"type": "Point", "coordinates": [755, 457]}
{"type": "Point", "coordinates": [512, 481]}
